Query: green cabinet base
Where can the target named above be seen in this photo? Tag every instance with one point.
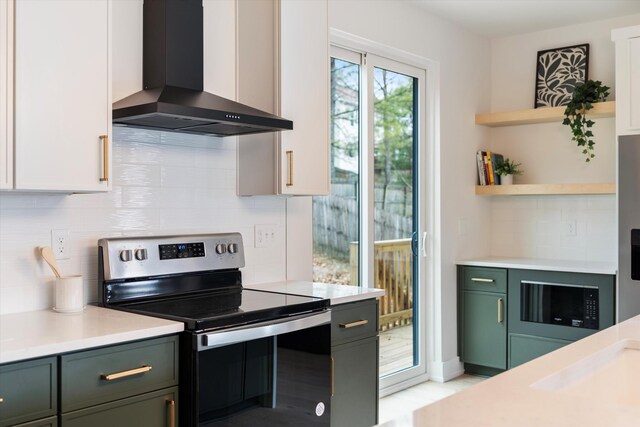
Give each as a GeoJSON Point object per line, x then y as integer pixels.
{"type": "Point", "coordinates": [523, 348]}
{"type": "Point", "coordinates": [483, 371]}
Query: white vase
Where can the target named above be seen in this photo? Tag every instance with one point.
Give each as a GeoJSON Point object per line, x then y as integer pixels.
{"type": "Point", "coordinates": [506, 179]}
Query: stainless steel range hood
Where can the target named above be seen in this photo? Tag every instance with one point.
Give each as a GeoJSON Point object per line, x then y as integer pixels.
{"type": "Point", "coordinates": [173, 98]}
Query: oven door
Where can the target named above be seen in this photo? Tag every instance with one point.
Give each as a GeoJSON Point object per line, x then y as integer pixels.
{"type": "Point", "coordinates": [273, 374]}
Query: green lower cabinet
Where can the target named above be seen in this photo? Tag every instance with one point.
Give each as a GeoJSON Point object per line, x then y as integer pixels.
{"type": "Point", "coordinates": [484, 329]}
{"type": "Point", "coordinates": [523, 348]}
{"type": "Point", "coordinates": [355, 373]}
{"type": "Point", "coordinates": [47, 422]}
{"type": "Point", "coordinates": [28, 391]}
{"type": "Point", "coordinates": [156, 409]}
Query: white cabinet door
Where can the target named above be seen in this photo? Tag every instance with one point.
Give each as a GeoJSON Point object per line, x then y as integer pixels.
{"type": "Point", "coordinates": [627, 80]}
{"type": "Point", "coordinates": [304, 97]}
{"type": "Point", "coordinates": [62, 95]}
{"type": "Point", "coordinates": [283, 68]}
{"type": "Point", "coordinates": [6, 94]}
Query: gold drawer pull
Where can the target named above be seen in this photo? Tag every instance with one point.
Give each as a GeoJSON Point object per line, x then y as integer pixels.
{"type": "Point", "coordinates": [481, 280]}
{"type": "Point", "coordinates": [171, 413]}
{"type": "Point", "coordinates": [353, 324]}
{"type": "Point", "coordinates": [499, 310]}
{"type": "Point", "coordinates": [332, 375]}
{"type": "Point", "coordinates": [105, 157]}
{"type": "Point", "coordinates": [290, 180]}
{"type": "Point", "coordinates": [1, 400]}
{"type": "Point", "coordinates": [141, 370]}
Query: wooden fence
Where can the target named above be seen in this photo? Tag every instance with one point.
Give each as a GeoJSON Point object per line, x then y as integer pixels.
{"type": "Point", "coordinates": [393, 271]}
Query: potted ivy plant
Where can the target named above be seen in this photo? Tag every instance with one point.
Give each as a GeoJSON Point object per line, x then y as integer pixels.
{"type": "Point", "coordinates": [507, 169]}
{"type": "Point", "coordinates": [575, 115]}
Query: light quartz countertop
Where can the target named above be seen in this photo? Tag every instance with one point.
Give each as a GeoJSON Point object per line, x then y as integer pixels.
{"type": "Point", "coordinates": [590, 267]}
{"type": "Point", "coordinates": [45, 332]}
{"type": "Point", "coordinates": [592, 382]}
{"type": "Point", "coordinates": [338, 294]}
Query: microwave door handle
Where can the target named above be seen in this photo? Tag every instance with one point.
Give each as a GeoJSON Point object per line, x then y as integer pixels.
{"type": "Point", "coordinates": [262, 330]}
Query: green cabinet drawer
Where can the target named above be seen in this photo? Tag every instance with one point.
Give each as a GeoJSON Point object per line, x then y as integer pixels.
{"type": "Point", "coordinates": [28, 391]}
{"type": "Point", "coordinates": [354, 321]}
{"type": "Point", "coordinates": [355, 373]}
{"type": "Point", "coordinates": [523, 348]}
{"type": "Point", "coordinates": [157, 409]}
{"type": "Point", "coordinates": [110, 373]}
{"type": "Point", "coordinates": [46, 422]}
{"type": "Point", "coordinates": [484, 329]}
{"type": "Point", "coordinates": [485, 279]}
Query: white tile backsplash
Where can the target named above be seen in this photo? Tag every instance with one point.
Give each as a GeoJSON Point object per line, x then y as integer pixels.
{"type": "Point", "coordinates": [532, 226]}
{"type": "Point", "coordinates": [162, 183]}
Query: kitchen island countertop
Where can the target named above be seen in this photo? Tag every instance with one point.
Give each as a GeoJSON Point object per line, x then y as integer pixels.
{"type": "Point", "coordinates": [592, 382]}
{"type": "Point", "coordinates": [338, 294]}
{"type": "Point", "coordinates": [41, 333]}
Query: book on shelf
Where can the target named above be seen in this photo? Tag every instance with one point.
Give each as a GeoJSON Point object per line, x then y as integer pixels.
{"type": "Point", "coordinates": [488, 162]}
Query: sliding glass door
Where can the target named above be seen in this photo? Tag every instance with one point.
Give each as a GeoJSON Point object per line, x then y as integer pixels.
{"type": "Point", "coordinates": [366, 231]}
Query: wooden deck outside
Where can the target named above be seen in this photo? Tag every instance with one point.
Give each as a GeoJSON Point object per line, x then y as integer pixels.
{"type": "Point", "coordinates": [396, 349]}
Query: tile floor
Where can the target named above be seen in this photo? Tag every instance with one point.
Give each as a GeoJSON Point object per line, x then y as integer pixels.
{"type": "Point", "coordinates": [396, 404]}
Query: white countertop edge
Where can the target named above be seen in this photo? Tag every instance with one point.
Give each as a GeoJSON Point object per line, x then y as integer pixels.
{"type": "Point", "coordinates": [87, 343]}
{"type": "Point", "coordinates": [336, 294]}
{"type": "Point", "coordinates": [571, 266]}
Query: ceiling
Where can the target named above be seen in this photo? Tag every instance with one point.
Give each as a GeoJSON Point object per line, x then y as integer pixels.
{"type": "Point", "coordinates": [497, 18]}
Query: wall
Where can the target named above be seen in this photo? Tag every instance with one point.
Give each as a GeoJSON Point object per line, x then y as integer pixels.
{"type": "Point", "coordinates": [460, 217]}
{"type": "Point", "coordinates": [536, 226]}
{"type": "Point", "coordinates": [162, 183]}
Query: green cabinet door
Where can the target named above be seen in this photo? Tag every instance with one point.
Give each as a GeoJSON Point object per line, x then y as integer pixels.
{"type": "Point", "coordinates": [156, 409]}
{"type": "Point", "coordinates": [484, 329]}
{"type": "Point", "coordinates": [355, 384]}
{"type": "Point", "coordinates": [523, 348]}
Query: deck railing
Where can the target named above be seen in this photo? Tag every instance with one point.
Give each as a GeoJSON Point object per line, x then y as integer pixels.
{"type": "Point", "coordinates": [393, 267]}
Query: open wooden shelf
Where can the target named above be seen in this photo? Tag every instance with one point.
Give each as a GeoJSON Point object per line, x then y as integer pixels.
{"type": "Point", "coordinates": [545, 189]}
{"type": "Point", "coordinates": [541, 115]}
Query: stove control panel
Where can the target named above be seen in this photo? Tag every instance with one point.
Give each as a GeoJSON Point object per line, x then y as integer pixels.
{"type": "Point", "coordinates": [131, 257]}
{"type": "Point", "coordinates": [181, 250]}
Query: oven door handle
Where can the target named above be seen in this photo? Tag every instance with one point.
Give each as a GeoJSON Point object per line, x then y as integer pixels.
{"type": "Point", "coordinates": [262, 330]}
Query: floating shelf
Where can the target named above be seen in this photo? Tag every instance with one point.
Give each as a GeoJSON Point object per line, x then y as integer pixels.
{"type": "Point", "coordinates": [541, 115]}
{"type": "Point", "coordinates": [545, 189]}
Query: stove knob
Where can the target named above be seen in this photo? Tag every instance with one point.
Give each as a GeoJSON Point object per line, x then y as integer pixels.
{"type": "Point", "coordinates": [141, 254]}
{"type": "Point", "coordinates": [221, 248]}
{"type": "Point", "coordinates": [232, 248]}
{"type": "Point", "coordinates": [125, 255]}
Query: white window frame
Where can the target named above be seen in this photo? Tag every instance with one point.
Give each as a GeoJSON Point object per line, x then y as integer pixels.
{"type": "Point", "coordinates": [354, 48]}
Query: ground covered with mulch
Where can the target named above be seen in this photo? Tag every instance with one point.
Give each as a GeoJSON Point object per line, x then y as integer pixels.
{"type": "Point", "coordinates": [330, 270]}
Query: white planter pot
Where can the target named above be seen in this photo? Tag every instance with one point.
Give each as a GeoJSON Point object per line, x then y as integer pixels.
{"type": "Point", "coordinates": [506, 179]}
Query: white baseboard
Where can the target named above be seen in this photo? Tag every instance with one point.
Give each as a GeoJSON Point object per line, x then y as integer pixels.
{"type": "Point", "coordinates": [444, 371]}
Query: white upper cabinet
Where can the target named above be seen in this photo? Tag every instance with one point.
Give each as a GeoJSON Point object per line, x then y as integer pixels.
{"type": "Point", "coordinates": [6, 94]}
{"type": "Point", "coordinates": [62, 95]}
{"type": "Point", "coordinates": [627, 80]}
{"type": "Point", "coordinates": [283, 68]}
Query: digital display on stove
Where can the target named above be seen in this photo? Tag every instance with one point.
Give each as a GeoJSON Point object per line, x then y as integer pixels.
{"type": "Point", "coordinates": [181, 250]}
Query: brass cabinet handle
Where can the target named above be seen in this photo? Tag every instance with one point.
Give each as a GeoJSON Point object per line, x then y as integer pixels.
{"type": "Point", "coordinates": [105, 157]}
{"type": "Point", "coordinates": [141, 370]}
{"type": "Point", "coordinates": [332, 371]}
{"type": "Point", "coordinates": [481, 280]}
{"type": "Point", "coordinates": [290, 180]}
{"type": "Point", "coordinates": [1, 400]}
{"type": "Point", "coordinates": [353, 324]}
{"type": "Point", "coordinates": [499, 310]}
{"type": "Point", "coordinates": [171, 413]}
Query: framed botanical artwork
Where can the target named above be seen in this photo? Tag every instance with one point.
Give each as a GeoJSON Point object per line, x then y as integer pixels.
{"type": "Point", "coordinates": [558, 71]}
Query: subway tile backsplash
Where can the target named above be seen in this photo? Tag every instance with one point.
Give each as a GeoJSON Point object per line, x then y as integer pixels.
{"type": "Point", "coordinates": [163, 183]}
{"type": "Point", "coordinates": [536, 227]}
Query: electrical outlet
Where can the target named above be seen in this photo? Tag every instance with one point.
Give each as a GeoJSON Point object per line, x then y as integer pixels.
{"type": "Point", "coordinates": [571, 228]}
{"type": "Point", "coordinates": [265, 235]}
{"type": "Point", "coordinates": [60, 243]}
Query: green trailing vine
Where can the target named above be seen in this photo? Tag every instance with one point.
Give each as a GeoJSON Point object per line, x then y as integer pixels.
{"type": "Point", "coordinates": [575, 115]}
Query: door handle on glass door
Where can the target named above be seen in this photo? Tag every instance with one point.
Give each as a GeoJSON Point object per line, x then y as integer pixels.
{"type": "Point", "coordinates": [424, 244]}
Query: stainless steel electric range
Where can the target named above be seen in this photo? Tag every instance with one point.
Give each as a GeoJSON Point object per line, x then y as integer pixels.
{"type": "Point", "coordinates": [247, 357]}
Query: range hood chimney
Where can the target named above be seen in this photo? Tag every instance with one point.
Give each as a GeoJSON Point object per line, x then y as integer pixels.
{"type": "Point", "coordinates": [173, 98]}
